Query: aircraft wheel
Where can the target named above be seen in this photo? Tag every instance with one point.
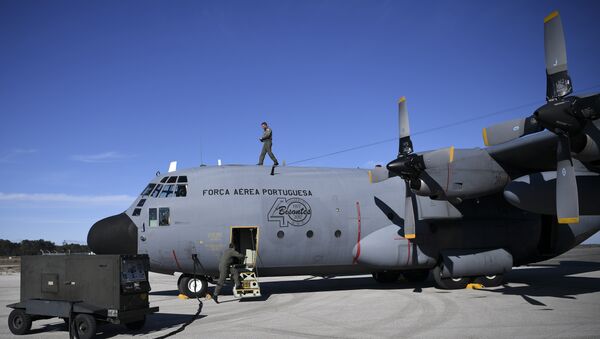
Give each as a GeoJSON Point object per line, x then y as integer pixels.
{"type": "Point", "coordinates": [449, 283]}
{"type": "Point", "coordinates": [85, 325]}
{"type": "Point", "coordinates": [193, 287]}
{"type": "Point", "coordinates": [19, 322]}
{"type": "Point", "coordinates": [416, 276]}
{"type": "Point", "coordinates": [490, 280]}
{"type": "Point", "coordinates": [386, 277]}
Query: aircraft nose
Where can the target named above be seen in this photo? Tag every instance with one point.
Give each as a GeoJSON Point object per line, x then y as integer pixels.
{"type": "Point", "coordinates": [116, 234]}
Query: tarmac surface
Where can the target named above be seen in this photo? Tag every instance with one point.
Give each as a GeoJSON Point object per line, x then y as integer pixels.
{"type": "Point", "coordinates": [556, 298]}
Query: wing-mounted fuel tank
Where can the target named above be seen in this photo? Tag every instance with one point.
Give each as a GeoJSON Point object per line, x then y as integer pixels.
{"type": "Point", "coordinates": [536, 193]}
{"type": "Point", "coordinates": [469, 263]}
{"type": "Point", "coordinates": [452, 174]}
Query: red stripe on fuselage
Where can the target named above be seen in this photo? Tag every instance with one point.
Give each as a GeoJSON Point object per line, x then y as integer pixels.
{"type": "Point", "coordinates": [358, 240]}
{"type": "Point", "coordinates": [177, 261]}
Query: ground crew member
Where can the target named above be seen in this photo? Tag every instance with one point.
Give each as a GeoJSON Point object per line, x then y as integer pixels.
{"type": "Point", "coordinates": [225, 269]}
{"type": "Point", "coordinates": [267, 140]}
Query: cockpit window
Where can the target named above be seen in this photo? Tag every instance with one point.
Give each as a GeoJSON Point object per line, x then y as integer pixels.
{"type": "Point", "coordinates": [156, 191]}
{"type": "Point", "coordinates": [148, 189]}
{"type": "Point", "coordinates": [167, 191]}
{"type": "Point", "coordinates": [181, 191]}
{"type": "Point", "coordinates": [152, 217]}
{"type": "Point", "coordinates": [164, 216]}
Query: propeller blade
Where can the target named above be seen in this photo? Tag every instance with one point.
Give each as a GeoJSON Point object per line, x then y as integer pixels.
{"type": "Point", "coordinates": [409, 216]}
{"type": "Point", "coordinates": [558, 82]}
{"type": "Point", "coordinates": [567, 203]}
{"type": "Point", "coordinates": [510, 130]}
{"type": "Point", "coordinates": [405, 146]}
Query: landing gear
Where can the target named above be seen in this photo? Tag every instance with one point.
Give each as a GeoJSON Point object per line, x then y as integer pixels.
{"type": "Point", "coordinates": [386, 277]}
{"type": "Point", "coordinates": [449, 283]}
{"type": "Point", "coordinates": [192, 287]}
{"type": "Point", "coordinates": [490, 280]}
{"type": "Point", "coordinates": [416, 276]}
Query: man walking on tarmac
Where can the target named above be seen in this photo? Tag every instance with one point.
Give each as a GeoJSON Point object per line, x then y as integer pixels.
{"type": "Point", "coordinates": [225, 269]}
{"type": "Point", "coordinates": [267, 140]}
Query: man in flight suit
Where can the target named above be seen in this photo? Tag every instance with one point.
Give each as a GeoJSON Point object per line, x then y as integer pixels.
{"type": "Point", "coordinates": [225, 269]}
{"type": "Point", "coordinates": [267, 140]}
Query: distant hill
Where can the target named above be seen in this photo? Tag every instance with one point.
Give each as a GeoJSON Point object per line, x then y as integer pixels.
{"type": "Point", "coordinates": [30, 247]}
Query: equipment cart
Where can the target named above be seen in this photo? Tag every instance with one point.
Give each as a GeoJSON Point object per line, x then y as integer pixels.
{"type": "Point", "coordinates": [83, 290]}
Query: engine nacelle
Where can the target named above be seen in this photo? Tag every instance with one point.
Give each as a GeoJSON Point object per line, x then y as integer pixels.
{"type": "Point", "coordinates": [536, 193]}
{"type": "Point", "coordinates": [465, 174]}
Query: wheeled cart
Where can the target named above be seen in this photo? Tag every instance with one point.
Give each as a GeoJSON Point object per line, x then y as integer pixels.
{"type": "Point", "coordinates": [84, 290]}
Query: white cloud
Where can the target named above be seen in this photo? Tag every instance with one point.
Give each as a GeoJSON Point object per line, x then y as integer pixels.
{"type": "Point", "coordinates": [66, 198]}
{"type": "Point", "coordinates": [105, 157]}
{"type": "Point", "coordinates": [10, 156]}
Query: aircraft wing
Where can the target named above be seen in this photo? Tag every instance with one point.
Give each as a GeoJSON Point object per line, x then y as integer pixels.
{"type": "Point", "coordinates": [525, 155]}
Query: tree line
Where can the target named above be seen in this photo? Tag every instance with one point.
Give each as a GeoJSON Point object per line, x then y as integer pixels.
{"type": "Point", "coordinates": [31, 247]}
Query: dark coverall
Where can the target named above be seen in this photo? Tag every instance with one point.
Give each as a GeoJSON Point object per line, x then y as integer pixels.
{"type": "Point", "coordinates": [225, 268]}
{"type": "Point", "coordinates": [267, 140]}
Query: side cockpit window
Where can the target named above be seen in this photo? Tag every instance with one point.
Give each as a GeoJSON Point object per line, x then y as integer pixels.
{"type": "Point", "coordinates": [164, 216]}
{"type": "Point", "coordinates": [152, 217]}
{"type": "Point", "coordinates": [148, 189]}
{"type": "Point", "coordinates": [159, 216]}
{"type": "Point", "coordinates": [181, 190]}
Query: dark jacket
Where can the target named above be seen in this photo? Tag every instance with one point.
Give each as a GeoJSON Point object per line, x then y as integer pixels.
{"type": "Point", "coordinates": [228, 256]}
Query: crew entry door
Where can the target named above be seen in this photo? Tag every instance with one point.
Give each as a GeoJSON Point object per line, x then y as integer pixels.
{"type": "Point", "coordinates": [245, 239]}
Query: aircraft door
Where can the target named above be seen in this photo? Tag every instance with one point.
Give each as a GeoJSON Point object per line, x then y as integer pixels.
{"type": "Point", "coordinates": [245, 239]}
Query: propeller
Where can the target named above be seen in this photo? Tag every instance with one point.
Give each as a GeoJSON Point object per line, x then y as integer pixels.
{"type": "Point", "coordinates": [563, 115]}
{"type": "Point", "coordinates": [410, 167]}
{"type": "Point", "coordinates": [407, 172]}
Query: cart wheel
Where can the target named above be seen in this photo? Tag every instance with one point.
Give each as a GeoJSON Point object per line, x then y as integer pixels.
{"type": "Point", "coordinates": [85, 325]}
{"type": "Point", "coordinates": [19, 322]}
{"type": "Point", "coordinates": [136, 325]}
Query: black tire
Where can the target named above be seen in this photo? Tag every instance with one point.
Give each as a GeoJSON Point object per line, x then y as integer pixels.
{"type": "Point", "coordinates": [136, 325]}
{"type": "Point", "coordinates": [85, 325]}
{"type": "Point", "coordinates": [416, 276]}
{"type": "Point", "coordinates": [490, 280]}
{"type": "Point", "coordinates": [186, 286]}
{"type": "Point", "coordinates": [19, 322]}
{"type": "Point", "coordinates": [449, 283]}
{"type": "Point", "coordinates": [386, 277]}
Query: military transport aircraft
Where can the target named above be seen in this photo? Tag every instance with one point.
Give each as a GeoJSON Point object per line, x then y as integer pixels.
{"type": "Point", "coordinates": [463, 214]}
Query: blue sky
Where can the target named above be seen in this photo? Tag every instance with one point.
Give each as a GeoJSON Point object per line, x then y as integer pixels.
{"type": "Point", "coordinates": [96, 96]}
